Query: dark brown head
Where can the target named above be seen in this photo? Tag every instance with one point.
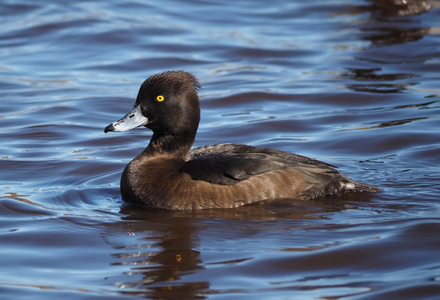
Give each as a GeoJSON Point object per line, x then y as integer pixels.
{"type": "Point", "coordinates": [168, 104]}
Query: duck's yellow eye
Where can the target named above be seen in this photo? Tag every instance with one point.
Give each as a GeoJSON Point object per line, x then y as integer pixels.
{"type": "Point", "coordinates": [160, 98]}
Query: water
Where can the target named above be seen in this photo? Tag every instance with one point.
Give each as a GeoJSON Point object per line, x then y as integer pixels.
{"type": "Point", "coordinates": [353, 83]}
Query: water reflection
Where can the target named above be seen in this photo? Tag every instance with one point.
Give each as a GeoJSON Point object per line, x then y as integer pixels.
{"type": "Point", "coordinates": [386, 124]}
{"type": "Point", "coordinates": [162, 249]}
{"type": "Point", "coordinates": [14, 205]}
{"type": "Point", "coordinates": [371, 75]}
{"type": "Point", "coordinates": [385, 28]}
{"type": "Point", "coordinates": [163, 253]}
{"type": "Point", "coordinates": [392, 8]}
{"type": "Point", "coordinates": [389, 23]}
{"type": "Point", "coordinates": [387, 36]}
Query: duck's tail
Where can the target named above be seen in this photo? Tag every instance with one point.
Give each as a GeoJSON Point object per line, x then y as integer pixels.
{"type": "Point", "coordinates": [336, 183]}
{"type": "Point", "coordinates": [359, 187]}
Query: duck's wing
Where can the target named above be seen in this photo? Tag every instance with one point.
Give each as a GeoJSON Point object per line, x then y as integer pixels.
{"type": "Point", "coordinates": [229, 164]}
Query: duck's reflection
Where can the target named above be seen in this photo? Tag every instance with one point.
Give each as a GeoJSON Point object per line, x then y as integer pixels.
{"type": "Point", "coordinates": [160, 252]}
{"type": "Point", "coordinates": [164, 253]}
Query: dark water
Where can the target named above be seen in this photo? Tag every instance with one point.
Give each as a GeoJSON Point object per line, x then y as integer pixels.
{"type": "Point", "coordinates": [353, 83]}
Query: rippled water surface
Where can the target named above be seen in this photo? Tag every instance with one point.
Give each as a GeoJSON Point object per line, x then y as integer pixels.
{"type": "Point", "coordinates": [353, 83]}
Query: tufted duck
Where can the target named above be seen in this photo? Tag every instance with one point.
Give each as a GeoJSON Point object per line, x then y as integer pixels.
{"type": "Point", "coordinates": [168, 174]}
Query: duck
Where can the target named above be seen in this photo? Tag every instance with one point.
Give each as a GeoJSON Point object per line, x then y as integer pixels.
{"type": "Point", "coordinates": [169, 174]}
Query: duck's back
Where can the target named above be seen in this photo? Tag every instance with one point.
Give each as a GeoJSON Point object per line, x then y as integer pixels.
{"type": "Point", "coordinates": [233, 164]}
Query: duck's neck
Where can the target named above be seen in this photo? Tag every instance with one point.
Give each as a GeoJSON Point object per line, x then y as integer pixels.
{"type": "Point", "coordinates": [174, 146]}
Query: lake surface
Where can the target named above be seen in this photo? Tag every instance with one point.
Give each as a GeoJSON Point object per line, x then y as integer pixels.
{"type": "Point", "coordinates": [352, 83]}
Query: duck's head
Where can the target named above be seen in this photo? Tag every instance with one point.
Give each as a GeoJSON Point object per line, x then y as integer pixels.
{"type": "Point", "coordinates": [167, 103]}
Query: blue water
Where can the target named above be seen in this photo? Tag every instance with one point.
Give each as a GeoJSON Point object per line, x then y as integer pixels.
{"type": "Point", "coordinates": [353, 83]}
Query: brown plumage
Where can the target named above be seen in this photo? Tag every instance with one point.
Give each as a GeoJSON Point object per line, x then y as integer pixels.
{"type": "Point", "coordinates": [168, 174]}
